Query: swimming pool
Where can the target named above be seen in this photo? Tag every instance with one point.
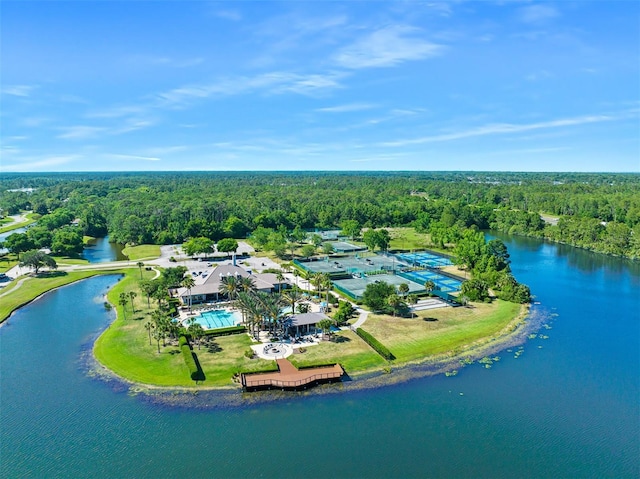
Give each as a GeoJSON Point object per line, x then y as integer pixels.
{"type": "Point", "coordinates": [218, 318]}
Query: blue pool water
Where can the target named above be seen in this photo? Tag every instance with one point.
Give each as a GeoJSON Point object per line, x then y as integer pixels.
{"type": "Point", "coordinates": [219, 318]}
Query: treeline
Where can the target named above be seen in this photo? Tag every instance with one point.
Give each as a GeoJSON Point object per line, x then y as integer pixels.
{"type": "Point", "coordinates": [600, 212]}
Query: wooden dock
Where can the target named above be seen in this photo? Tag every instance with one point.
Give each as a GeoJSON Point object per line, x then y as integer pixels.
{"type": "Point", "coordinates": [289, 377]}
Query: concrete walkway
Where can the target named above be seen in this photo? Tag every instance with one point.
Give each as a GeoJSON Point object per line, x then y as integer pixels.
{"type": "Point", "coordinates": [363, 317]}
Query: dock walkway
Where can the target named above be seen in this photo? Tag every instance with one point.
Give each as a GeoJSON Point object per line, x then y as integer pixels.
{"type": "Point", "coordinates": [289, 377]}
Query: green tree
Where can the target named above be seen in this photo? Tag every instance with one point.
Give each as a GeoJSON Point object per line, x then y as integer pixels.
{"type": "Point", "coordinates": [307, 250]}
{"type": "Point", "coordinates": [18, 243]}
{"type": "Point", "coordinates": [200, 245]}
{"type": "Point", "coordinates": [149, 326]}
{"type": "Point", "coordinates": [148, 287]}
{"type": "Point", "coordinates": [350, 228]}
{"type": "Point", "coordinates": [327, 248]}
{"type": "Point", "coordinates": [122, 301]}
{"type": "Point", "coordinates": [67, 241]}
{"type": "Point", "coordinates": [325, 325]}
{"type": "Point", "coordinates": [140, 264]}
{"type": "Point", "coordinates": [395, 302]}
{"type": "Point", "coordinates": [403, 289]}
{"type": "Point", "coordinates": [188, 282]}
{"type": "Point", "coordinates": [132, 296]}
{"type": "Point", "coordinates": [429, 286]}
{"type": "Point", "coordinates": [375, 295]}
{"type": "Point", "coordinates": [227, 245]}
{"type": "Point", "coordinates": [36, 259]}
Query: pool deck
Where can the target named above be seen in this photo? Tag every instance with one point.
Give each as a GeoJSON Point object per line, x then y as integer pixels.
{"type": "Point", "coordinates": [289, 377]}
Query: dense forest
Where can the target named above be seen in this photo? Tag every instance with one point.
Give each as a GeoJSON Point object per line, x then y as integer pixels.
{"type": "Point", "coordinates": [599, 211]}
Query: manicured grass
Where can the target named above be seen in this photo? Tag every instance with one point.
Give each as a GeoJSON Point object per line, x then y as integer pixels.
{"type": "Point", "coordinates": [32, 287]}
{"type": "Point", "coordinates": [7, 262]}
{"type": "Point", "coordinates": [124, 348]}
{"type": "Point", "coordinates": [64, 260]}
{"type": "Point", "coordinates": [143, 251]}
{"type": "Point", "coordinates": [440, 331]}
{"type": "Point", "coordinates": [347, 349]}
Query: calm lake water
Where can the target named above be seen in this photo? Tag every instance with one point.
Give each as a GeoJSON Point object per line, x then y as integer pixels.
{"type": "Point", "coordinates": [103, 251]}
{"type": "Point", "coordinates": [568, 406]}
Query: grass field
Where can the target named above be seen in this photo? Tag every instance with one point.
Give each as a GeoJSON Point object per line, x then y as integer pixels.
{"type": "Point", "coordinates": [31, 288]}
{"type": "Point", "coordinates": [143, 251]}
{"type": "Point", "coordinates": [347, 349]}
{"type": "Point", "coordinates": [124, 348]}
{"type": "Point", "coordinates": [440, 331]}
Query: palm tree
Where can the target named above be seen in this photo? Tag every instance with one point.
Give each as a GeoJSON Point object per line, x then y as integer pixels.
{"type": "Point", "coordinates": [140, 264]}
{"type": "Point", "coordinates": [326, 285]}
{"type": "Point", "coordinates": [132, 295]}
{"type": "Point", "coordinates": [429, 286]}
{"type": "Point", "coordinates": [412, 299]}
{"type": "Point", "coordinates": [325, 325]}
{"type": "Point", "coordinates": [395, 302]}
{"type": "Point", "coordinates": [188, 282]}
{"type": "Point", "coordinates": [293, 295]}
{"type": "Point", "coordinates": [196, 332]}
{"type": "Point", "coordinates": [148, 287]}
{"type": "Point", "coordinates": [246, 283]}
{"type": "Point", "coordinates": [271, 307]}
{"type": "Point", "coordinates": [296, 273]}
{"type": "Point", "coordinates": [403, 289]}
{"type": "Point", "coordinates": [122, 301]}
{"type": "Point", "coordinates": [229, 287]}
{"type": "Point", "coordinates": [280, 278]}
{"type": "Point", "coordinates": [149, 326]}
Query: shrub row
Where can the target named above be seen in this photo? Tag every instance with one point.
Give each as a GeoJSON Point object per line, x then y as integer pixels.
{"type": "Point", "coordinates": [190, 359]}
{"type": "Point", "coordinates": [378, 347]}
{"type": "Point", "coordinates": [213, 333]}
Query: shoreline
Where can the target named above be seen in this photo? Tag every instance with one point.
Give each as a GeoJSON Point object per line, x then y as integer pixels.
{"type": "Point", "coordinates": [514, 334]}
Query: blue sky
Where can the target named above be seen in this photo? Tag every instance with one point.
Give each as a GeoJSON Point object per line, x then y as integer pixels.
{"type": "Point", "coordinates": [505, 85]}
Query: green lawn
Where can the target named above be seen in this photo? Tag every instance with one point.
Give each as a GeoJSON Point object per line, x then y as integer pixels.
{"type": "Point", "coordinates": [347, 349]}
{"type": "Point", "coordinates": [34, 287]}
{"type": "Point", "coordinates": [66, 260]}
{"type": "Point", "coordinates": [124, 348]}
{"type": "Point", "coordinates": [143, 251]}
{"type": "Point", "coordinates": [7, 262]}
{"type": "Point", "coordinates": [440, 331]}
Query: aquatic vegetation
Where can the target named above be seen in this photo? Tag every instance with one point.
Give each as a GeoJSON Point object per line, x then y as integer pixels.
{"type": "Point", "coordinates": [451, 373]}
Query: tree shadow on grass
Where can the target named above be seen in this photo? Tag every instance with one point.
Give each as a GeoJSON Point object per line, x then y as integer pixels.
{"type": "Point", "coordinates": [341, 339]}
{"type": "Point", "coordinates": [430, 319]}
{"type": "Point", "coordinates": [213, 347]}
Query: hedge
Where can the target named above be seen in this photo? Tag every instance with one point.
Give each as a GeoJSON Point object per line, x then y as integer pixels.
{"type": "Point", "coordinates": [379, 348]}
{"type": "Point", "coordinates": [190, 359]}
{"type": "Point", "coordinates": [225, 331]}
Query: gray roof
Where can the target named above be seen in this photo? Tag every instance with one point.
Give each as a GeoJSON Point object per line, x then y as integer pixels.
{"type": "Point", "coordinates": [303, 319]}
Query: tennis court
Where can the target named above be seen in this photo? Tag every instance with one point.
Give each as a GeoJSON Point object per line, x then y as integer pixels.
{"type": "Point", "coordinates": [443, 283]}
{"type": "Point", "coordinates": [352, 264]}
{"type": "Point", "coordinates": [424, 259]}
{"type": "Point", "coordinates": [356, 286]}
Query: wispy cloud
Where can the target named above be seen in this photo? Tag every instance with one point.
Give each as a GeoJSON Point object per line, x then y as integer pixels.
{"type": "Point", "coordinates": [115, 156]}
{"type": "Point", "coordinates": [507, 128]}
{"type": "Point", "coordinates": [349, 107]}
{"type": "Point", "coordinates": [38, 164]}
{"type": "Point", "coordinates": [80, 132]}
{"type": "Point", "coordinates": [269, 83]}
{"type": "Point", "coordinates": [538, 13]}
{"type": "Point", "coordinates": [387, 47]}
{"type": "Point", "coordinates": [165, 61]}
{"type": "Point", "coordinates": [18, 90]}
{"type": "Point", "coordinates": [232, 15]}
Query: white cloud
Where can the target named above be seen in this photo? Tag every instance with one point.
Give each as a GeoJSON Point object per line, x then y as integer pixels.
{"type": "Point", "coordinates": [387, 47]}
{"type": "Point", "coordinates": [538, 13]}
{"type": "Point", "coordinates": [349, 107]}
{"type": "Point", "coordinates": [233, 15]}
{"type": "Point", "coordinates": [506, 128]}
{"type": "Point", "coordinates": [80, 132]}
{"type": "Point", "coordinates": [18, 90]}
{"type": "Point", "coordinates": [274, 82]}
{"type": "Point", "coordinates": [131, 157]}
{"type": "Point", "coordinates": [38, 164]}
